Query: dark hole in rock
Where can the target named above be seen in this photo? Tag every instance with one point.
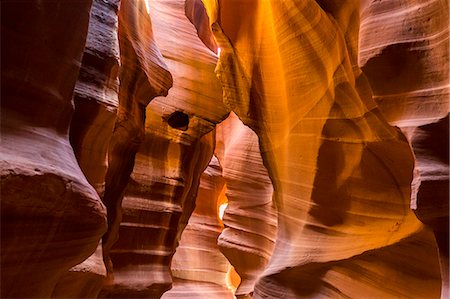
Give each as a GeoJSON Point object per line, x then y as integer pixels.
{"type": "Point", "coordinates": [178, 120]}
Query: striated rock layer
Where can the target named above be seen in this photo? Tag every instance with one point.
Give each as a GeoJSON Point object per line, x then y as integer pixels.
{"type": "Point", "coordinates": [250, 218]}
{"type": "Point", "coordinates": [96, 101]}
{"type": "Point", "coordinates": [51, 217]}
{"type": "Point", "coordinates": [315, 94]}
{"type": "Point", "coordinates": [143, 76]}
{"type": "Point", "coordinates": [341, 175]}
{"type": "Point", "coordinates": [175, 146]}
{"type": "Point", "coordinates": [407, 65]}
{"type": "Point", "coordinates": [198, 267]}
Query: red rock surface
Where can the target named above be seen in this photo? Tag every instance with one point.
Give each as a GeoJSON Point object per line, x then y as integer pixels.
{"type": "Point", "coordinates": [198, 267]}
{"type": "Point", "coordinates": [96, 101]}
{"type": "Point", "coordinates": [174, 151]}
{"type": "Point", "coordinates": [407, 64]}
{"type": "Point", "coordinates": [341, 174]}
{"type": "Point", "coordinates": [143, 76]}
{"type": "Point", "coordinates": [51, 217]}
{"type": "Point", "coordinates": [250, 217]}
{"type": "Point", "coordinates": [128, 102]}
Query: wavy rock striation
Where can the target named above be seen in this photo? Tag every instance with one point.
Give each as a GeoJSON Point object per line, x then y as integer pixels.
{"type": "Point", "coordinates": [198, 267]}
{"type": "Point", "coordinates": [96, 101]}
{"type": "Point", "coordinates": [316, 87]}
{"type": "Point", "coordinates": [175, 146]}
{"type": "Point", "coordinates": [341, 175]}
{"type": "Point", "coordinates": [250, 218]}
{"type": "Point", "coordinates": [143, 76]}
{"type": "Point", "coordinates": [51, 217]}
{"type": "Point", "coordinates": [405, 56]}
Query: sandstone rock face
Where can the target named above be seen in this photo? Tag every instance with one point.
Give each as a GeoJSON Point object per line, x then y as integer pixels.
{"type": "Point", "coordinates": [250, 218]}
{"type": "Point", "coordinates": [96, 93]}
{"type": "Point", "coordinates": [143, 76]}
{"type": "Point", "coordinates": [175, 146]}
{"type": "Point", "coordinates": [198, 267]}
{"type": "Point", "coordinates": [341, 174]}
{"type": "Point", "coordinates": [121, 103]}
{"type": "Point", "coordinates": [407, 64]}
{"type": "Point", "coordinates": [51, 217]}
{"type": "Point", "coordinates": [96, 101]}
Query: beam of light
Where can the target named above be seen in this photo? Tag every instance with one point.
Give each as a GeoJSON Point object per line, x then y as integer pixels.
{"type": "Point", "coordinates": [147, 5]}
{"type": "Point", "coordinates": [218, 51]}
{"type": "Point", "coordinates": [222, 210]}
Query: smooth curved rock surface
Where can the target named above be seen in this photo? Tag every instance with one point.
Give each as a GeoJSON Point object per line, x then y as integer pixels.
{"type": "Point", "coordinates": [143, 76]}
{"type": "Point", "coordinates": [250, 217]}
{"type": "Point", "coordinates": [177, 145]}
{"type": "Point", "coordinates": [316, 91]}
{"type": "Point", "coordinates": [96, 101]}
{"type": "Point", "coordinates": [407, 65]}
{"type": "Point", "coordinates": [198, 267]}
{"type": "Point", "coordinates": [341, 174]}
{"type": "Point", "coordinates": [51, 217]}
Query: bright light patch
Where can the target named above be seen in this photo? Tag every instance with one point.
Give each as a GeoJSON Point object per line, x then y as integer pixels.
{"type": "Point", "coordinates": [147, 6]}
{"type": "Point", "coordinates": [222, 210]}
{"type": "Point", "coordinates": [218, 51]}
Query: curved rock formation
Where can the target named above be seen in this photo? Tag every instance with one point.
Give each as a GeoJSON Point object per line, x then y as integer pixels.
{"type": "Point", "coordinates": [407, 64]}
{"type": "Point", "coordinates": [96, 93]}
{"type": "Point", "coordinates": [316, 94]}
{"type": "Point", "coordinates": [196, 13]}
{"type": "Point", "coordinates": [341, 174]}
{"type": "Point", "coordinates": [175, 150]}
{"type": "Point", "coordinates": [198, 267]}
{"type": "Point", "coordinates": [143, 76]}
{"type": "Point", "coordinates": [151, 210]}
{"type": "Point", "coordinates": [96, 101]}
{"type": "Point", "coordinates": [51, 217]}
{"type": "Point", "coordinates": [250, 218]}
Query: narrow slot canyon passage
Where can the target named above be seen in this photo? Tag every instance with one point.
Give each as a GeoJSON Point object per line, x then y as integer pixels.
{"type": "Point", "coordinates": [224, 149]}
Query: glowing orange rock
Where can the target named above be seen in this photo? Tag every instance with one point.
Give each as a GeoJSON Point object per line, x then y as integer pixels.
{"type": "Point", "coordinates": [341, 174]}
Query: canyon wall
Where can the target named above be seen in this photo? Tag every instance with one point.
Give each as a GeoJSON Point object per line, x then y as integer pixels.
{"type": "Point", "coordinates": [341, 175]}
{"type": "Point", "coordinates": [198, 267]}
{"type": "Point", "coordinates": [405, 56]}
{"type": "Point", "coordinates": [96, 101]}
{"type": "Point", "coordinates": [51, 217]}
{"type": "Point", "coordinates": [126, 125]}
{"type": "Point", "coordinates": [250, 217]}
{"type": "Point", "coordinates": [175, 145]}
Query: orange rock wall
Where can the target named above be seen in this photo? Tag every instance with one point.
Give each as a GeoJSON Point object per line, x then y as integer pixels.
{"type": "Point", "coordinates": [407, 65]}
{"type": "Point", "coordinates": [289, 72]}
{"type": "Point", "coordinates": [147, 115]}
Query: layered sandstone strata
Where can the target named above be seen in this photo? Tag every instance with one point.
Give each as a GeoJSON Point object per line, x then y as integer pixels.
{"type": "Point", "coordinates": [198, 267]}
{"type": "Point", "coordinates": [405, 56]}
{"type": "Point", "coordinates": [96, 101]}
{"type": "Point", "coordinates": [250, 218]}
{"type": "Point", "coordinates": [314, 139]}
{"type": "Point", "coordinates": [143, 76]}
{"type": "Point", "coordinates": [175, 146]}
{"type": "Point", "coordinates": [341, 174]}
{"type": "Point", "coordinates": [51, 217]}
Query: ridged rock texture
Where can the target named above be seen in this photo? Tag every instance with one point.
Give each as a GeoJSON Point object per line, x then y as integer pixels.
{"type": "Point", "coordinates": [143, 76]}
{"type": "Point", "coordinates": [198, 267]}
{"type": "Point", "coordinates": [405, 56]}
{"type": "Point", "coordinates": [51, 217]}
{"type": "Point", "coordinates": [175, 146]}
{"type": "Point", "coordinates": [96, 101]}
{"type": "Point", "coordinates": [250, 217]}
{"type": "Point", "coordinates": [322, 124]}
{"type": "Point", "coordinates": [341, 174]}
